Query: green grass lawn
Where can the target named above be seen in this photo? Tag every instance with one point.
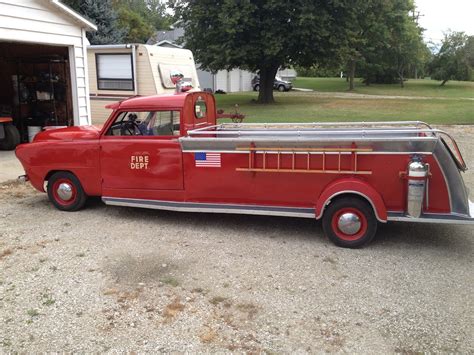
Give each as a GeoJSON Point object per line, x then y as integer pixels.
{"type": "Point", "coordinates": [443, 108]}
{"type": "Point", "coordinates": [420, 87]}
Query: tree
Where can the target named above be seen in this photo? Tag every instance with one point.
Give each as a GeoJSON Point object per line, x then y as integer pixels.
{"type": "Point", "coordinates": [406, 40]}
{"type": "Point", "coordinates": [363, 22]}
{"type": "Point", "coordinates": [104, 16]}
{"type": "Point", "coordinates": [455, 58]}
{"type": "Point", "coordinates": [382, 50]}
{"type": "Point", "coordinates": [261, 35]}
{"type": "Point", "coordinates": [137, 28]}
{"type": "Point", "coordinates": [152, 12]}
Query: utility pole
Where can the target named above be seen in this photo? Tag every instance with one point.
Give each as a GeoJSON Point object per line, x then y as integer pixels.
{"type": "Point", "coordinates": [416, 17]}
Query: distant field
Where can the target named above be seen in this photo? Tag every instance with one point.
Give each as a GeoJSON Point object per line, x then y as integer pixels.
{"type": "Point", "coordinates": [331, 103]}
{"type": "Point", "coordinates": [420, 87]}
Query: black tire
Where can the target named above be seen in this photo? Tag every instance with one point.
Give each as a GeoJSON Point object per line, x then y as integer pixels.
{"type": "Point", "coordinates": [355, 206]}
{"type": "Point", "coordinates": [78, 198]}
{"type": "Point", "coordinates": [281, 88]}
{"type": "Point", "coordinates": [256, 87]}
{"type": "Point", "coordinates": [12, 137]}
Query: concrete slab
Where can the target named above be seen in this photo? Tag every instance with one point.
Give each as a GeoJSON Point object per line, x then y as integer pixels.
{"type": "Point", "coordinates": [10, 167]}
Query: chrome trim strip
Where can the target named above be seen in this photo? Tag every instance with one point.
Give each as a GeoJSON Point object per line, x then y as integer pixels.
{"type": "Point", "coordinates": [359, 123]}
{"type": "Point", "coordinates": [303, 153]}
{"type": "Point", "coordinates": [213, 208]}
{"type": "Point", "coordinates": [304, 139]}
{"type": "Point", "coordinates": [328, 201]}
{"type": "Point", "coordinates": [325, 131]}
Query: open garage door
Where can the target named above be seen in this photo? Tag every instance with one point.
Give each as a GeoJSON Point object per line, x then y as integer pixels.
{"type": "Point", "coordinates": [36, 87]}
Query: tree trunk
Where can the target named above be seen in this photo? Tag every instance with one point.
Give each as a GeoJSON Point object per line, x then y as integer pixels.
{"type": "Point", "coordinates": [267, 77]}
{"type": "Point", "coordinates": [444, 82]}
{"type": "Point", "coordinates": [401, 76]}
{"type": "Point", "coordinates": [352, 69]}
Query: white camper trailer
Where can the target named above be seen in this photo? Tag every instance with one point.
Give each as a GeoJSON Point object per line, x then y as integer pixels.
{"type": "Point", "coordinates": [117, 72]}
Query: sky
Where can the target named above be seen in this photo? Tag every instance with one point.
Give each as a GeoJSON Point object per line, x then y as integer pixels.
{"type": "Point", "coordinates": [440, 15]}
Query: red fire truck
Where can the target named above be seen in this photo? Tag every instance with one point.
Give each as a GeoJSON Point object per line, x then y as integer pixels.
{"type": "Point", "coordinates": [167, 152]}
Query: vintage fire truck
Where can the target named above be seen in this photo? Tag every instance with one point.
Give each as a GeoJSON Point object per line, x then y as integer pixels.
{"type": "Point", "coordinates": [168, 152]}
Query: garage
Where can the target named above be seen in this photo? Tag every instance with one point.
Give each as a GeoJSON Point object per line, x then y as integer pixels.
{"type": "Point", "coordinates": [43, 68]}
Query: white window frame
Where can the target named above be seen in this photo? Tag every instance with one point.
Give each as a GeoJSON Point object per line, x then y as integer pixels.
{"type": "Point", "coordinates": [128, 80]}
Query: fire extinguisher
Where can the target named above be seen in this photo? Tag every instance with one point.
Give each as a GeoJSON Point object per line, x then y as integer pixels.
{"type": "Point", "coordinates": [416, 178]}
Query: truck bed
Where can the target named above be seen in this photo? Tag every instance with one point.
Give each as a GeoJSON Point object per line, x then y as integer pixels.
{"type": "Point", "coordinates": [383, 137]}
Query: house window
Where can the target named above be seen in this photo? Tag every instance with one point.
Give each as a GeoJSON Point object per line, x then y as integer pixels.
{"type": "Point", "coordinates": [114, 71]}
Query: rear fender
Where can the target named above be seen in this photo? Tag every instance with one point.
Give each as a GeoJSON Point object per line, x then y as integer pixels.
{"type": "Point", "coordinates": [352, 186]}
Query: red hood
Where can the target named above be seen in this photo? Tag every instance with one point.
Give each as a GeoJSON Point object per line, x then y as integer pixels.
{"type": "Point", "coordinates": [74, 133]}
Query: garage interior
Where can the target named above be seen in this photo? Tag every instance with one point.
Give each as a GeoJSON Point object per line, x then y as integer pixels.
{"type": "Point", "coordinates": [36, 87]}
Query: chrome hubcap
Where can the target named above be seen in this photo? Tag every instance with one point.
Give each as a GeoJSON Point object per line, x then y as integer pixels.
{"type": "Point", "coordinates": [349, 223]}
{"type": "Point", "coordinates": [64, 191]}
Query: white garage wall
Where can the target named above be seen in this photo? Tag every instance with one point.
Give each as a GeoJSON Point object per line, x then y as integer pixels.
{"type": "Point", "coordinates": [246, 80]}
{"type": "Point", "coordinates": [38, 21]}
{"type": "Point", "coordinates": [206, 79]}
{"type": "Point", "coordinates": [221, 80]}
{"type": "Point", "coordinates": [234, 78]}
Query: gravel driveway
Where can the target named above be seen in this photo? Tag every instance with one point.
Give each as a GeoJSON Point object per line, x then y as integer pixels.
{"type": "Point", "coordinates": [112, 278]}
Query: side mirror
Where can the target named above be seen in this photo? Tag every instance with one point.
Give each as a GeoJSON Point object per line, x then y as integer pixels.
{"type": "Point", "coordinates": [176, 76]}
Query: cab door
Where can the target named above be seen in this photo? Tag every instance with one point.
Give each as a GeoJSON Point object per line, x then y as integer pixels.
{"type": "Point", "coordinates": [141, 151]}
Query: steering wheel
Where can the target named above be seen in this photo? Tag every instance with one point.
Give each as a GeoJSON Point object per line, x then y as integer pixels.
{"type": "Point", "coordinates": [130, 128]}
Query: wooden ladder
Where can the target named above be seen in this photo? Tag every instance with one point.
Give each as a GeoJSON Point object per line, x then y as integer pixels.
{"type": "Point", "coordinates": [253, 151]}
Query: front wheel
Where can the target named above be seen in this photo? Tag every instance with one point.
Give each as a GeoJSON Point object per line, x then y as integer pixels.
{"type": "Point", "coordinates": [256, 87]}
{"type": "Point", "coordinates": [349, 222]}
{"type": "Point", "coordinates": [281, 88]}
{"type": "Point", "coordinates": [65, 192]}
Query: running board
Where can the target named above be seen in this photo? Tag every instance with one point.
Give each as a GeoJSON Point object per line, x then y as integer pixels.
{"type": "Point", "coordinates": [211, 208]}
{"type": "Point", "coordinates": [431, 218]}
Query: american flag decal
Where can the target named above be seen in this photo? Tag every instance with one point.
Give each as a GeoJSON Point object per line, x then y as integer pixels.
{"type": "Point", "coordinates": [208, 160]}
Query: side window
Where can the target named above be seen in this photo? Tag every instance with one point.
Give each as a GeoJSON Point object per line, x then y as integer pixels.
{"type": "Point", "coordinates": [146, 123]}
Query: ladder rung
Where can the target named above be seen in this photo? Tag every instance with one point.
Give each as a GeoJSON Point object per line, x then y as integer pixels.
{"type": "Point", "coordinates": [305, 149]}
{"type": "Point", "coordinates": [293, 151]}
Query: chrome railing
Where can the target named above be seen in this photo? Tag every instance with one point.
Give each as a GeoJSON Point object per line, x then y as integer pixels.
{"type": "Point", "coordinates": [366, 131]}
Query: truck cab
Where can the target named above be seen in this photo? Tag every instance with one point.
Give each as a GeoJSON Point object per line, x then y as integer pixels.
{"type": "Point", "coordinates": [145, 132]}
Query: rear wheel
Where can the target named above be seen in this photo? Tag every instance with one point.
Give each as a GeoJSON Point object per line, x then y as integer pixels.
{"type": "Point", "coordinates": [65, 192]}
{"type": "Point", "coordinates": [256, 87]}
{"type": "Point", "coordinates": [349, 222]}
{"type": "Point", "coordinates": [12, 137]}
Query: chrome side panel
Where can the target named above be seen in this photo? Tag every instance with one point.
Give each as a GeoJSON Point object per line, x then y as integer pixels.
{"type": "Point", "coordinates": [458, 195]}
{"type": "Point", "coordinates": [424, 145]}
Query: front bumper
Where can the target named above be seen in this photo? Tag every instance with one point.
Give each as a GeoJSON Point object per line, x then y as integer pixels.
{"type": "Point", "coordinates": [23, 178]}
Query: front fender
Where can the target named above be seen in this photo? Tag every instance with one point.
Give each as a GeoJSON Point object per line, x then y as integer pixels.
{"type": "Point", "coordinates": [356, 187]}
